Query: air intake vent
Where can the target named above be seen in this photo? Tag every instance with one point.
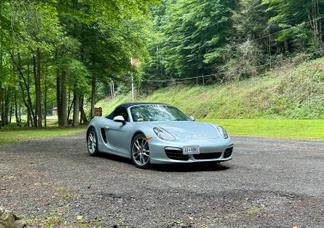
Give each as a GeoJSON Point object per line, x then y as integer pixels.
{"type": "Point", "coordinates": [228, 152]}
{"type": "Point", "coordinates": [208, 155]}
{"type": "Point", "coordinates": [103, 134]}
{"type": "Point", "coordinates": [176, 154]}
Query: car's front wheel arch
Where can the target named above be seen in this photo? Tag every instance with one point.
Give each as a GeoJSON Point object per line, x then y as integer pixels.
{"type": "Point", "coordinates": [89, 129]}
{"type": "Point", "coordinates": [137, 133]}
{"type": "Point", "coordinates": [140, 135]}
{"type": "Point", "coordinates": [92, 141]}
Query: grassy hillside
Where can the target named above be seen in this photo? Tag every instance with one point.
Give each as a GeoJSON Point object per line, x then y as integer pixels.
{"type": "Point", "coordinates": [293, 92]}
{"type": "Point", "coordinates": [18, 135]}
{"type": "Point", "coordinates": [283, 103]}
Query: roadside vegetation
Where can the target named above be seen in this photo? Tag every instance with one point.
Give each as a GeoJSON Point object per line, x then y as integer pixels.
{"type": "Point", "coordinates": [273, 128]}
{"type": "Point", "coordinates": [16, 135]}
{"type": "Point", "coordinates": [295, 91]}
{"type": "Point", "coordinates": [63, 56]}
{"type": "Point", "coordinates": [287, 102]}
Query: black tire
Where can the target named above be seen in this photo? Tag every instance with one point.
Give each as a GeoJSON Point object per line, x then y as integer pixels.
{"type": "Point", "coordinates": [140, 152]}
{"type": "Point", "coordinates": [92, 142]}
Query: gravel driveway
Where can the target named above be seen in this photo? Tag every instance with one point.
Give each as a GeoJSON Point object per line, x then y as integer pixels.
{"type": "Point", "coordinates": [269, 183]}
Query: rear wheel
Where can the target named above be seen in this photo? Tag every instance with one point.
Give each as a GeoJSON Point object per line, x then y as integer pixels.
{"type": "Point", "coordinates": [140, 151]}
{"type": "Point", "coordinates": [92, 142]}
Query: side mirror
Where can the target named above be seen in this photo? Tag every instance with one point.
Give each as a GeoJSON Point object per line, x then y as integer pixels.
{"type": "Point", "coordinates": [119, 119]}
{"type": "Point", "coordinates": [192, 118]}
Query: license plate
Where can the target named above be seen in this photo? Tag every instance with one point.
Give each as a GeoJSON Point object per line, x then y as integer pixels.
{"type": "Point", "coordinates": [191, 150]}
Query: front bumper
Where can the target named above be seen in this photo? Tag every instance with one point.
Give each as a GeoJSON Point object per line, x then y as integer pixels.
{"type": "Point", "coordinates": [212, 150]}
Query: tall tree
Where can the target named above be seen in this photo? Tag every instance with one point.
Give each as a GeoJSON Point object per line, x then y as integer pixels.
{"type": "Point", "coordinates": [297, 22]}
{"type": "Point", "coordinates": [194, 36]}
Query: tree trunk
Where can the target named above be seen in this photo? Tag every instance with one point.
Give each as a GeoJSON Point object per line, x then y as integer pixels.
{"type": "Point", "coordinates": [76, 108]}
{"type": "Point", "coordinates": [6, 107]}
{"type": "Point", "coordinates": [16, 110]}
{"type": "Point", "coordinates": [45, 100]}
{"type": "Point", "coordinates": [37, 75]}
{"type": "Point", "coordinates": [93, 95]}
{"type": "Point", "coordinates": [316, 24]}
{"type": "Point", "coordinates": [59, 99]}
{"type": "Point", "coordinates": [35, 79]}
{"type": "Point", "coordinates": [1, 105]}
{"type": "Point", "coordinates": [27, 85]}
{"type": "Point", "coordinates": [320, 31]}
{"type": "Point", "coordinates": [83, 118]}
{"type": "Point", "coordinates": [28, 120]}
{"type": "Point", "coordinates": [10, 112]}
{"type": "Point", "coordinates": [63, 101]}
{"type": "Point", "coordinates": [1, 93]}
{"type": "Point", "coordinates": [286, 47]}
{"type": "Point", "coordinates": [24, 84]}
{"type": "Point", "coordinates": [70, 106]}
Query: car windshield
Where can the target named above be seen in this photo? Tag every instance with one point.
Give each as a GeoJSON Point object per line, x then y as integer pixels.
{"type": "Point", "coordinates": [157, 112]}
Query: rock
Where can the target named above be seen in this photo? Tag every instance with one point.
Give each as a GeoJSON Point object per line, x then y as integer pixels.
{"type": "Point", "coordinates": [9, 220]}
{"type": "Point", "coordinates": [20, 224]}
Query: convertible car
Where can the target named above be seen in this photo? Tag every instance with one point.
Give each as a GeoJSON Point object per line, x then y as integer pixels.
{"type": "Point", "coordinates": [157, 133]}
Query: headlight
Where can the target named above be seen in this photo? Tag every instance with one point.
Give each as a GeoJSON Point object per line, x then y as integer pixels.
{"type": "Point", "coordinates": [222, 132]}
{"type": "Point", "coordinates": [163, 134]}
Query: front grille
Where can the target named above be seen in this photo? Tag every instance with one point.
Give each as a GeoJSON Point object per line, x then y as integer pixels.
{"type": "Point", "coordinates": [207, 156]}
{"type": "Point", "coordinates": [176, 154]}
{"type": "Point", "coordinates": [228, 152]}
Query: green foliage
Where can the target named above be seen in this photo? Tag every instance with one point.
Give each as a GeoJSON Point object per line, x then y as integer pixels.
{"type": "Point", "coordinates": [53, 51]}
{"type": "Point", "coordinates": [77, 74]}
{"type": "Point", "coordinates": [67, 46]}
{"type": "Point", "coordinates": [21, 135]}
{"type": "Point", "coordinates": [283, 93]}
{"type": "Point", "coordinates": [190, 37]}
{"type": "Point", "coordinates": [273, 128]}
{"type": "Point", "coordinates": [299, 22]}
{"type": "Point", "coordinates": [232, 39]}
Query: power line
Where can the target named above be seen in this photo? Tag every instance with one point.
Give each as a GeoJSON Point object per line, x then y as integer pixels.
{"type": "Point", "coordinates": [180, 79]}
{"type": "Point", "coordinates": [209, 75]}
{"type": "Point", "coordinates": [294, 26]}
{"type": "Point", "coordinates": [258, 66]}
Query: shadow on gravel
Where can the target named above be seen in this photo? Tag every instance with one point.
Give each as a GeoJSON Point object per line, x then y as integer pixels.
{"type": "Point", "coordinates": [114, 158]}
{"type": "Point", "coordinates": [196, 167]}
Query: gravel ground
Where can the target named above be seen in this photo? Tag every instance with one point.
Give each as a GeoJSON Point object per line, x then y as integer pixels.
{"type": "Point", "coordinates": [269, 183]}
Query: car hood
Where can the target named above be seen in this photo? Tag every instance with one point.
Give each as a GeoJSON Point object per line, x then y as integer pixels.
{"type": "Point", "coordinates": [189, 129]}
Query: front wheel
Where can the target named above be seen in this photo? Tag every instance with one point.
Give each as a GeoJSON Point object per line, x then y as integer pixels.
{"type": "Point", "coordinates": [140, 151]}
{"type": "Point", "coordinates": [92, 142]}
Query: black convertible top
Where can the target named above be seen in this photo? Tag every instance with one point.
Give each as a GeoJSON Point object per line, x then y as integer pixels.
{"type": "Point", "coordinates": [130, 104]}
{"type": "Point", "coordinates": [127, 105]}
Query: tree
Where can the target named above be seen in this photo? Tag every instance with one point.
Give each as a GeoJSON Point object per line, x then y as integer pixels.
{"type": "Point", "coordinates": [249, 47]}
{"type": "Point", "coordinates": [298, 21]}
{"type": "Point", "coordinates": [67, 43]}
{"type": "Point", "coordinates": [194, 35]}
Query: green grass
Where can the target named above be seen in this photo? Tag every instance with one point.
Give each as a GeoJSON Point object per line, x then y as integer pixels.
{"type": "Point", "coordinates": [287, 102]}
{"type": "Point", "coordinates": [290, 92]}
{"type": "Point", "coordinates": [273, 128]}
{"type": "Point", "coordinates": [19, 135]}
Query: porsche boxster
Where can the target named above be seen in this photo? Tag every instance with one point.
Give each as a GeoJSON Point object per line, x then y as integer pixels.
{"type": "Point", "coordinates": [157, 133]}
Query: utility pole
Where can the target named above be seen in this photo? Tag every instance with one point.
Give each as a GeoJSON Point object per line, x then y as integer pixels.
{"type": "Point", "coordinates": [134, 63]}
{"type": "Point", "coordinates": [270, 57]}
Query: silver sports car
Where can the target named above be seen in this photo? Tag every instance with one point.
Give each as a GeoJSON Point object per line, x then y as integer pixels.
{"type": "Point", "coordinates": [157, 133]}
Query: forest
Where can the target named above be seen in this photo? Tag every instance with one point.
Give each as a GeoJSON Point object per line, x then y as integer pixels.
{"type": "Point", "coordinates": [70, 54]}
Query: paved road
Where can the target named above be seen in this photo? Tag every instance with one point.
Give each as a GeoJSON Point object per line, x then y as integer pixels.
{"type": "Point", "coordinates": [269, 183]}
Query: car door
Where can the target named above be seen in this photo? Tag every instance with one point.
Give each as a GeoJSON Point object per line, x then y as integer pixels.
{"type": "Point", "coordinates": [119, 134]}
